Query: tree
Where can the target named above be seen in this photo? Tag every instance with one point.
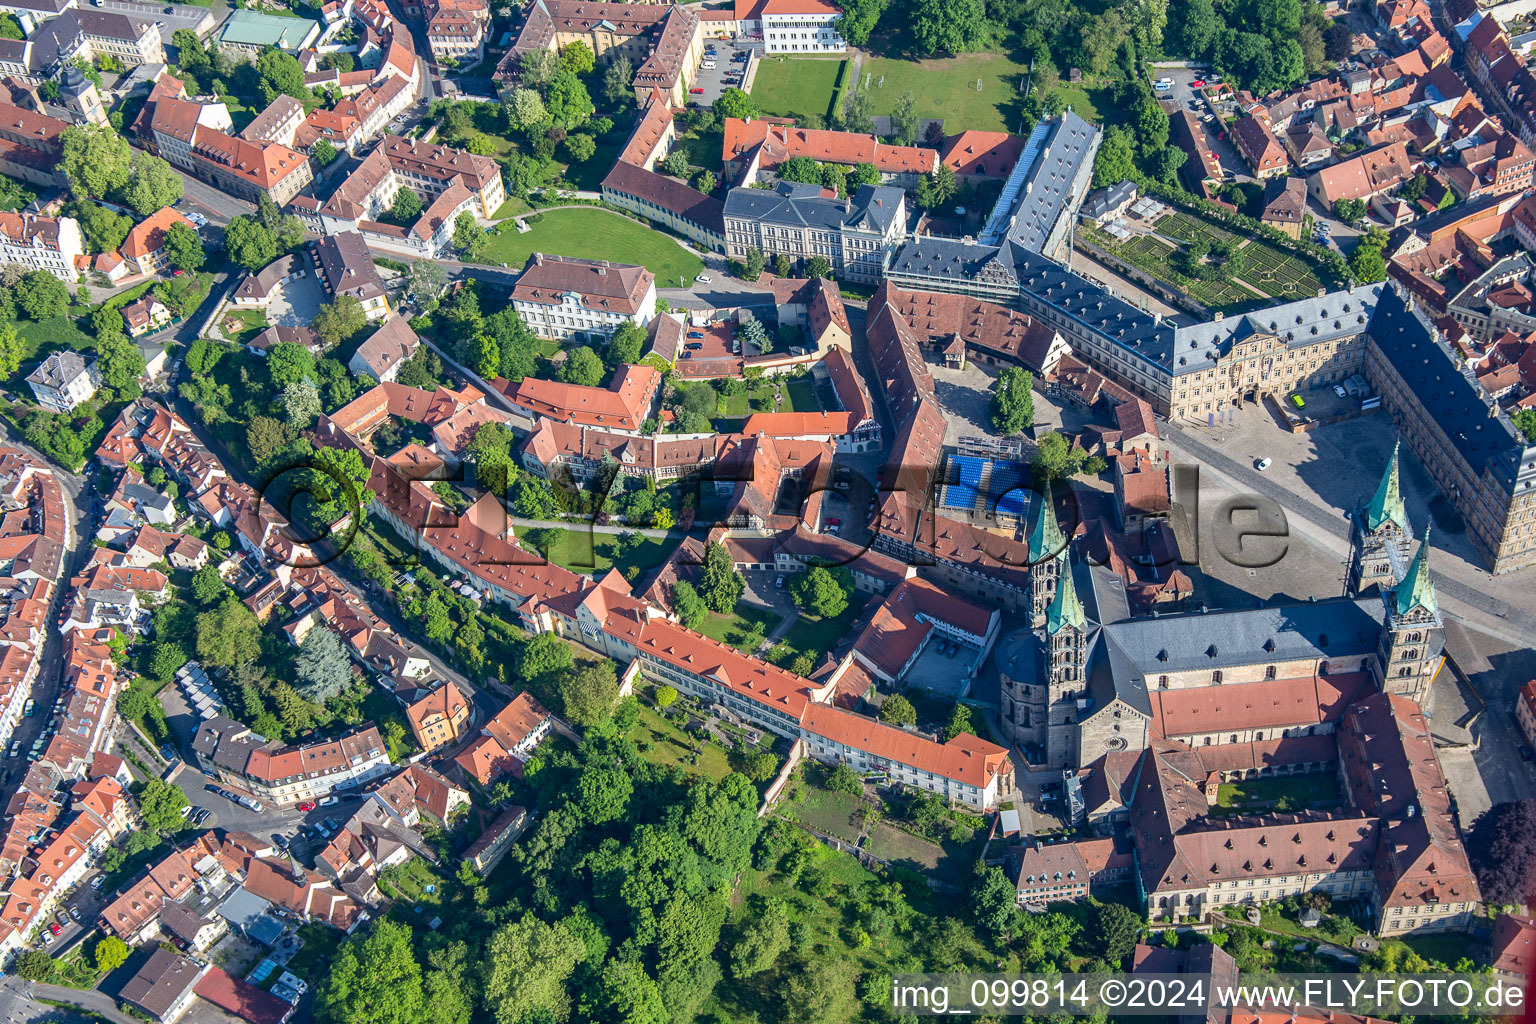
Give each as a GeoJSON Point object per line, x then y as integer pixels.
{"type": "Point", "coordinates": [1013, 401]}
{"type": "Point", "coordinates": [568, 102]}
{"type": "Point", "coordinates": [800, 168]}
{"type": "Point", "coordinates": [526, 111]}
{"type": "Point", "coordinates": [818, 267]}
{"type": "Point", "coordinates": [208, 586]}
{"type": "Point", "coordinates": [96, 161]}
{"type": "Point", "coordinates": [119, 364]}
{"type": "Point", "coordinates": [104, 230]}
{"type": "Point", "coordinates": [582, 366]}
{"type": "Point", "coordinates": [1193, 28]}
{"type": "Point", "coordinates": [301, 402]}
{"type": "Point", "coordinates": [161, 804]}
{"type": "Point", "coordinates": [407, 207]}
{"type": "Point", "coordinates": [959, 722]}
{"type": "Point", "coordinates": [859, 20]}
{"type": "Point", "coordinates": [735, 103]}
{"type": "Point", "coordinates": [665, 697]}
{"type": "Point", "coordinates": [280, 75]}
{"type": "Point", "coordinates": [904, 120]}
{"type": "Point", "coordinates": [41, 295]}
{"type": "Point", "coordinates": [341, 482]}
{"type": "Point", "coordinates": [676, 163]}
{"type": "Point", "coordinates": [627, 995]}
{"type": "Point", "coordinates": [688, 605]}
{"type": "Point", "coordinates": [374, 979]}
{"type": "Point", "coordinates": [577, 57]}
{"type": "Point", "coordinates": [110, 953]}
{"type": "Point", "coordinates": [249, 244]}
{"type": "Point", "coordinates": [580, 147]}
{"type": "Point", "coordinates": [1056, 459]}
{"type": "Point", "coordinates": [289, 361]}
{"type": "Point", "coordinates": [1348, 210]}
{"type": "Point", "coordinates": [35, 965]}
{"type": "Point", "coordinates": [228, 634]}
{"type": "Point", "coordinates": [184, 248]}
{"type": "Point", "coordinates": [1151, 125]}
{"type": "Point", "coordinates": [340, 321]}
{"type": "Point", "coordinates": [153, 185]}
{"type": "Point", "coordinates": [627, 343]}
{"type": "Point", "coordinates": [323, 666]}
{"type": "Point", "coordinates": [425, 280]}
{"type": "Point", "coordinates": [719, 583]}
{"type": "Point", "coordinates": [166, 659]}
{"type": "Point", "coordinates": [843, 779]}
{"type": "Point", "coordinates": [526, 965]}
{"type": "Point", "coordinates": [10, 351]}
{"type": "Point", "coordinates": [821, 590]}
{"type": "Point", "coordinates": [949, 26]}
{"type": "Point", "coordinates": [1118, 928]}
{"type": "Point", "coordinates": [544, 658]}
{"type": "Point", "coordinates": [590, 693]}
{"type": "Point", "coordinates": [618, 80]}
{"type": "Point", "coordinates": [897, 710]}
{"type": "Point", "coordinates": [762, 939]}
{"type": "Point", "coordinates": [936, 188]}
{"type": "Point", "coordinates": [857, 114]}
{"type": "Point", "coordinates": [1502, 850]}
{"type": "Point", "coordinates": [468, 238]}
{"type": "Point", "coordinates": [994, 901]}
{"type": "Point", "coordinates": [1367, 264]}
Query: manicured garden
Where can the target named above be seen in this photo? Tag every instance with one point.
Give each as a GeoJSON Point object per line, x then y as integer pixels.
{"type": "Point", "coordinates": [797, 396]}
{"type": "Point", "coordinates": [795, 86]}
{"type": "Point", "coordinates": [593, 233]}
{"type": "Point", "coordinates": [586, 551]}
{"type": "Point", "coordinates": [816, 635]}
{"type": "Point", "coordinates": [947, 88]}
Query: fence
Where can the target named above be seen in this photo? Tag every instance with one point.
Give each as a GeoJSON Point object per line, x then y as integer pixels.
{"type": "Point", "coordinates": [796, 754]}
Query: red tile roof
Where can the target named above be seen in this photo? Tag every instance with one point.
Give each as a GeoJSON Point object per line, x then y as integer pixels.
{"type": "Point", "coordinates": [966, 758]}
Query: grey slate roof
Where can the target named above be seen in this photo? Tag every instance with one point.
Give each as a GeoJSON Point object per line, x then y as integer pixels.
{"type": "Point", "coordinates": [1303, 322]}
{"type": "Point", "coordinates": [57, 370]}
{"type": "Point", "coordinates": [1049, 184]}
{"type": "Point", "coordinates": [795, 204]}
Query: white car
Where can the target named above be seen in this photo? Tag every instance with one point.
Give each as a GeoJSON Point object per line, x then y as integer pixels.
{"type": "Point", "coordinates": [1263, 464]}
{"type": "Point", "coordinates": [703, 279]}
{"type": "Point", "coordinates": [1338, 389]}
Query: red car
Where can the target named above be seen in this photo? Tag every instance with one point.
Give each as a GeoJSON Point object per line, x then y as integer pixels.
{"type": "Point", "coordinates": [178, 273]}
{"type": "Point", "coordinates": [696, 92]}
{"type": "Point", "coordinates": [1198, 83]}
{"type": "Point", "coordinates": [53, 926]}
{"type": "Point", "coordinates": [307, 805]}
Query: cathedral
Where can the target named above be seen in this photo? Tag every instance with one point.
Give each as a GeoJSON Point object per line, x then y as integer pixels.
{"type": "Point", "coordinates": [1089, 679]}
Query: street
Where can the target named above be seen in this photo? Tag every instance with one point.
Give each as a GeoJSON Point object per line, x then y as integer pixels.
{"type": "Point", "coordinates": [19, 1004]}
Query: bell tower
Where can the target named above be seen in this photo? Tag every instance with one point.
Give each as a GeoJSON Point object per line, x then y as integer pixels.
{"type": "Point", "coordinates": [1047, 558]}
{"type": "Point", "coordinates": [1413, 634]}
{"type": "Point", "coordinates": [1380, 534]}
{"type": "Point", "coordinates": [1066, 659]}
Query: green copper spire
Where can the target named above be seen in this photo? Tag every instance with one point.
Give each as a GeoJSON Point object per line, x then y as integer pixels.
{"type": "Point", "coordinates": [1066, 609]}
{"type": "Point", "coordinates": [1416, 590]}
{"type": "Point", "coordinates": [1045, 537]}
{"type": "Point", "coordinates": [1387, 505]}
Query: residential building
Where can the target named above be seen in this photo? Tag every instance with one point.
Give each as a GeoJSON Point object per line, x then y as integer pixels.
{"type": "Point", "coordinates": [668, 202]}
{"type": "Point", "coordinates": [569, 299]}
{"type": "Point", "coordinates": [1363, 176]}
{"type": "Point", "coordinates": [438, 718]}
{"type": "Point", "coordinates": [62, 381]}
{"type": "Point", "coordinates": [1256, 141]}
{"type": "Point", "coordinates": [853, 235]}
{"type": "Point", "coordinates": [144, 248]}
{"type": "Point", "coordinates": [1285, 205]}
{"type": "Point", "coordinates": [345, 267]}
{"type": "Point", "coordinates": [664, 42]}
{"type": "Point", "coordinates": [29, 145]}
{"type": "Point", "coordinates": [1514, 946]}
{"type": "Point", "coordinates": [976, 156]}
{"type": "Point", "coordinates": [91, 34]}
{"type": "Point", "coordinates": [385, 351]}
{"type": "Point", "coordinates": [1108, 203]}
{"type": "Point", "coordinates": [145, 316]}
{"type": "Point", "coordinates": [285, 776]}
{"type": "Point", "coordinates": [52, 244]}
{"type": "Point", "coordinates": [487, 851]}
{"type": "Point", "coordinates": [278, 123]}
{"type": "Point", "coordinates": [507, 740]}
{"type": "Point", "coordinates": [1068, 872]}
{"type": "Point", "coordinates": [165, 986]}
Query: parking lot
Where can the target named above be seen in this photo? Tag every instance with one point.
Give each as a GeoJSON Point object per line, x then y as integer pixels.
{"type": "Point", "coordinates": [730, 60]}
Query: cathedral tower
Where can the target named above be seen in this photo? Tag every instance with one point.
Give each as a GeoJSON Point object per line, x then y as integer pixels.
{"type": "Point", "coordinates": [1413, 634]}
{"type": "Point", "coordinates": [1380, 534]}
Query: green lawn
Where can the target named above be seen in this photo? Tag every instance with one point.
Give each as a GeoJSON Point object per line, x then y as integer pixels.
{"type": "Point", "coordinates": [822, 809]}
{"type": "Point", "coordinates": [247, 323]}
{"type": "Point", "coordinates": [669, 745]}
{"type": "Point", "coordinates": [40, 338]}
{"type": "Point", "coordinates": [815, 635]}
{"type": "Point", "coordinates": [731, 629]}
{"type": "Point", "coordinates": [796, 86]}
{"type": "Point", "coordinates": [585, 551]}
{"type": "Point", "coordinates": [1300, 792]}
{"type": "Point", "coordinates": [511, 208]}
{"type": "Point", "coordinates": [950, 861]}
{"type": "Point", "coordinates": [410, 885]}
{"type": "Point", "coordinates": [314, 957]}
{"type": "Point", "coordinates": [592, 233]}
{"type": "Point", "coordinates": [947, 88]}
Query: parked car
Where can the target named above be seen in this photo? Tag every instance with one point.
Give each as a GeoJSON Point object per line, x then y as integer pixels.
{"type": "Point", "coordinates": [1338, 389]}
{"type": "Point", "coordinates": [703, 279]}
{"type": "Point", "coordinates": [699, 91]}
{"type": "Point", "coordinates": [29, 708]}
{"type": "Point", "coordinates": [1525, 753]}
{"type": "Point", "coordinates": [47, 939]}
{"type": "Point", "coordinates": [695, 334]}
{"type": "Point", "coordinates": [74, 914]}
{"type": "Point", "coordinates": [53, 927]}
{"type": "Point", "coordinates": [1263, 464]}
{"type": "Point", "coordinates": [1198, 83]}
{"type": "Point", "coordinates": [306, 805]}
{"type": "Point", "coordinates": [96, 882]}
{"type": "Point", "coordinates": [329, 801]}
{"type": "Point", "coordinates": [779, 582]}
